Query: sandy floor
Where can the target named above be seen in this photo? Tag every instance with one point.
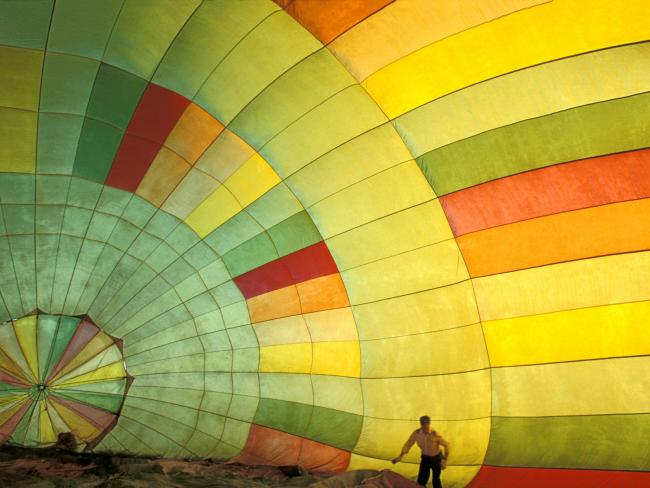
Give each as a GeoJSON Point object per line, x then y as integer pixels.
{"type": "Point", "coordinates": [52, 468]}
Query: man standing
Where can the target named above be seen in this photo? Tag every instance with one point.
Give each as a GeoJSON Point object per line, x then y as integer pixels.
{"type": "Point", "coordinates": [433, 457]}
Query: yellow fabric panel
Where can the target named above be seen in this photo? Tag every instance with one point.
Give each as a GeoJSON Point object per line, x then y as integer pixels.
{"type": "Point", "coordinates": [406, 26]}
{"type": "Point", "coordinates": [17, 140]}
{"type": "Point", "coordinates": [6, 412]}
{"type": "Point", "coordinates": [406, 273]}
{"type": "Point", "coordinates": [189, 193]}
{"type": "Point", "coordinates": [166, 171]}
{"type": "Point", "coordinates": [357, 159]}
{"type": "Point", "coordinates": [449, 396]}
{"type": "Point", "coordinates": [286, 358]}
{"type": "Point", "coordinates": [336, 358]}
{"type": "Point", "coordinates": [7, 364]}
{"type": "Point", "coordinates": [539, 90]}
{"type": "Point", "coordinates": [8, 402]}
{"type": "Point", "coordinates": [588, 333]}
{"type": "Point", "coordinates": [561, 28]}
{"type": "Point", "coordinates": [20, 77]}
{"type": "Point", "coordinates": [452, 477]}
{"type": "Point", "coordinates": [213, 211]}
{"type": "Point", "coordinates": [289, 387]}
{"type": "Point", "coordinates": [193, 133]}
{"type": "Point", "coordinates": [225, 155]}
{"type": "Point", "coordinates": [604, 386]}
{"type": "Point", "coordinates": [285, 330]}
{"type": "Point", "coordinates": [14, 352]}
{"type": "Point", "coordinates": [331, 325]}
{"type": "Point", "coordinates": [601, 281]}
{"type": "Point", "coordinates": [83, 429]}
{"type": "Point", "coordinates": [106, 357]}
{"type": "Point", "coordinates": [111, 371]}
{"type": "Point", "coordinates": [57, 422]}
{"type": "Point", "coordinates": [447, 351]}
{"type": "Point", "coordinates": [371, 199]}
{"type": "Point", "coordinates": [382, 438]}
{"type": "Point", "coordinates": [417, 227]}
{"type": "Point", "coordinates": [252, 180]}
{"type": "Point", "coordinates": [96, 345]}
{"type": "Point", "coordinates": [46, 430]}
{"type": "Point", "coordinates": [338, 393]}
{"type": "Point", "coordinates": [25, 330]}
{"type": "Point", "coordinates": [438, 309]}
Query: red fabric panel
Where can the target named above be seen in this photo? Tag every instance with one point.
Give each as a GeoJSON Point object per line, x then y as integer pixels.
{"type": "Point", "coordinates": [490, 476]}
{"type": "Point", "coordinates": [273, 447]}
{"type": "Point", "coordinates": [268, 277]}
{"type": "Point", "coordinates": [132, 161]}
{"type": "Point", "coordinates": [308, 263]}
{"type": "Point", "coordinates": [84, 333]}
{"type": "Point", "coordinates": [560, 188]}
{"type": "Point", "coordinates": [7, 429]}
{"type": "Point", "coordinates": [157, 113]}
{"type": "Point", "coordinates": [99, 418]}
{"type": "Point", "coordinates": [10, 379]}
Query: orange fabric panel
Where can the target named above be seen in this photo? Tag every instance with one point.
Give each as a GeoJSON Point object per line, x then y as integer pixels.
{"type": "Point", "coordinates": [275, 304]}
{"type": "Point", "coordinates": [270, 446]}
{"type": "Point", "coordinates": [560, 188]}
{"type": "Point", "coordinates": [166, 172]}
{"type": "Point", "coordinates": [326, 19]}
{"type": "Point", "coordinates": [322, 293]}
{"type": "Point", "coordinates": [193, 133]}
{"type": "Point", "coordinates": [598, 231]}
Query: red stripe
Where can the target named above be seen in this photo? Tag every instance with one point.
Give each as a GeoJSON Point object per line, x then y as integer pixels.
{"type": "Point", "coordinates": [490, 476]}
{"type": "Point", "coordinates": [303, 265]}
{"type": "Point", "coordinates": [560, 188]}
{"type": "Point", "coordinates": [154, 118]}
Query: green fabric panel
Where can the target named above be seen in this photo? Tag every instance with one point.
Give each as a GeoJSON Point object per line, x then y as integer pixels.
{"type": "Point", "coordinates": [67, 83]}
{"type": "Point", "coordinates": [83, 193]}
{"type": "Point", "coordinates": [32, 434]}
{"type": "Point", "coordinates": [18, 436]}
{"type": "Point", "coordinates": [52, 189]}
{"type": "Point", "coordinates": [138, 211]}
{"type": "Point", "coordinates": [285, 416]}
{"type": "Point", "coordinates": [8, 283]}
{"type": "Point", "coordinates": [87, 255]}
{"type": "Point", "coordinates": [103, 269]}
{"type": "Point", "coordinates": [17, 188]}
{"type": "Point", "coordinates": [75, 221]}
{"type": "Point", "coordinates": [66, 327]}
{"type": "Point", "coordinates": [615, 442]}
{"type": "Point", "coordinates": [114, 387]}
{"type": "Point", "coordinates": [46, 248]}
{"type": "Point", "coordinates": [294, 233]}
{"type": "Point", "coordinates": [45, 335]}
{"type": "Point", "coordinates": [276, 205]}
{"type": "Point", "coordinates": [140, 24]}
{"type": "Point", "coordinates": [98, 144]}
{"type": "Point", "coordinates": [113, 201]}
{"type": "Point", "coordinates": [20, 77]}
{"type": "Point", "coordinates": [582, 132]}
{"type": "Point", "coordinates": [49, 219]}
{"type": "Point", "coordinates": [17, 140]}
{"type": "Point", "coordinates": [290, 96]}
{"type": "Point", "coordinates": [8, 390]}
{"type": "Point", "coordinates": [23, 255]}
{"type": "Point", "coordinates": [251, 254]}
{"type": "Point", "coordinates": [78, 29]}
{"type": "Point", "coordinates": [110, 403]}
{"type": "Point", "coordinates": [334, 427]}
{"type": "Point", "coordinates": [65, 266]}
{"type": "Point", "coordinates": [208, 36]}
{"type": "Point", "coordinates": [161, 224]}
{"type": "Point", "coordinates": [19, 219]}
{"type": "Point", "coordinates": [115, 95]}
{"type": "Point", "coordinates": [24, 23]}
{"type": "Point", "coordinates": [238, 229]}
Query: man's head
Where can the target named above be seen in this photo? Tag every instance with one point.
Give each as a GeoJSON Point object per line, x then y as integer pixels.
{"type": "Point", "coordinates": [425, 422]}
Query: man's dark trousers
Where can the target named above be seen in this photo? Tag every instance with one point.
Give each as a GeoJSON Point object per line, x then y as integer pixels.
{"type": "Point", "coordinates": [430, 463]}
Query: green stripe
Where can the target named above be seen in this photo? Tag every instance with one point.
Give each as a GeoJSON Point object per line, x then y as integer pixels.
{"type": "Point", "coordinates": [66, 328]}
{"type": "Point", "coordinates": [18, 436]}
{"type": "Point", "coordinates": [583, 132]}
{"type": "Point", "coordinates": [46, 332]}
{"type": "Point", "coordinates": [325, 425]}
{"type": "Point", "coordinates": [295, 233]}
{"type": "Point", "coordinates": [589, 441]}
{"type": "Point", "coordinates": [108, 402]}
{"type": "Point", "coordinates": [249, 255]}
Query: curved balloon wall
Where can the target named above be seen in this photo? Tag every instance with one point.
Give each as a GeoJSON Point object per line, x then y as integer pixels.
{"type": "Point", "coordinates": [309, 223]}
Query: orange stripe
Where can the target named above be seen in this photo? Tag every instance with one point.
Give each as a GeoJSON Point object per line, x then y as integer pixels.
{"type": "Point", "coordinates": [597, 231]}
{"type": "Point", "coordinates": [274, 304]}
{"type": "Point", "coordinates": [322, 293]}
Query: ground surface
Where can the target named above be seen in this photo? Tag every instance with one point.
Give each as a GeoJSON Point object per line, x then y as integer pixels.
{"type": "Point", "coordinates": [54, 468]}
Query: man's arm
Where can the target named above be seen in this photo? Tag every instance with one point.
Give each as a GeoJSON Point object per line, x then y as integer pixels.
{"type": "Point", "coordinates": [444, 444]}
{"type": "Point", "coordinates": [406, 448]}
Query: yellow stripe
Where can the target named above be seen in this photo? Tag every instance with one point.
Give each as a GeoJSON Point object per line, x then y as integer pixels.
{"type": "Point", "coordinates": [252, 180]}
{"type": "Point", "coordinates": [96, 345]}
{"type": "Point", "coordinates": [46, 430]}
{"type": "Point", "coordinates": [9, 412]}
{"type": "Point", "coordinates": [286, 358]}
{"type": "Point", "coordinates": [112, 371]}
{"type": "Point", "coordinates": [561, 28]}
{"type": "Point", "coordinates": [588, 333]}
{"type": "Point", "coordinates": [337, 359]}
{"type": "Point", "coordinates": [83, 429]}
{"type": "Point", "coordinates": [213, 211]}
{"type": "Point", "coordinates": [25, 330]}
{"type": "Point", "coordinates": [586, 283]}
